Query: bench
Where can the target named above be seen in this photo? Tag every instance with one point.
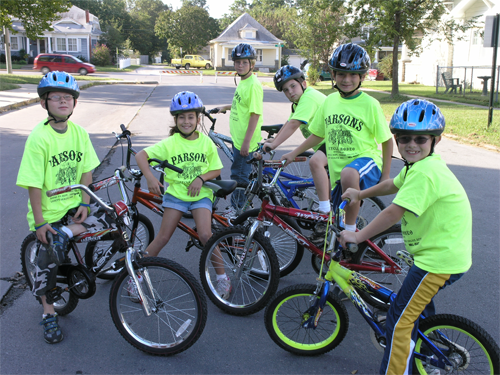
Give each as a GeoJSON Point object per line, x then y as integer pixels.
{"type": "Point", "coordinates": [450, 84]}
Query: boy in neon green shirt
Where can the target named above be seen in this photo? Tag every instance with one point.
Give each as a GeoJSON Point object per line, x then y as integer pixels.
{"type": "Point", "coordinates": [436, 221]}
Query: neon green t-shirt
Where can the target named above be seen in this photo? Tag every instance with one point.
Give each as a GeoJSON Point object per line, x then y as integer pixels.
{"type": "Point", "coordinates": [437, 224]}
{"type": "Point", "coordinates": [195, 157]}
{"type": "Point", "coordinates": [248, 98]}
{"type": "Point", "coordinates": [304, 111]}
{"type": "Point", "coordinates": [52, 160]}
{"type": "Point", "coordinates": [352, 128]}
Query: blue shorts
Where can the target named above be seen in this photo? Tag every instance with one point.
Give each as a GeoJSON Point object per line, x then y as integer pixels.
{"type": "Point", "coordinates": [169, 201]}
{"type": "Point", "coordinates": [369, 173]}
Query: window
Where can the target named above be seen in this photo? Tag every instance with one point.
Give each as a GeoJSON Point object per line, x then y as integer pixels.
{"type": "Point", "coordinates": [259, 55]}
{"type": "Point", "coordinates": [69, 60]}
{"type": "Point", "coordinates": [249, 34]}
{"type": "Point", "coordinates": [61, 44]}
{"type": "Point", "coordinates": [72, 44]}
{"type": "Point", "coordinates": [229, 55]}
{"type": "Point", "coordinates": [14, 45]}
{"type": "Point", "coordinates": [477, 38]}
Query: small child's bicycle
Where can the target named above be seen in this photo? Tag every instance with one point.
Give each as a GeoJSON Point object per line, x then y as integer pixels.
{"type": "Point", "coordinates": [309, 320]}
{"type": "Point", "coordinates": [165, 311]}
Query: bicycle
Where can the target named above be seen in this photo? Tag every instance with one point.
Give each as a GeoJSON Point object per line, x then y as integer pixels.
{"type": "Point", "coordinates": [380, 257]}
{"type": "Point", "coordinates": [309, 319]}
{"type": "Point", "coordinates": [172, 310]}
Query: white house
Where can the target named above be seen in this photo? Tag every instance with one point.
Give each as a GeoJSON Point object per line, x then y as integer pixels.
{"type": "Point", "coordinates": [461, 55]}
{"type": "Point", "coordinates": [75, 33]}
{"type": "Point", "coordinates": [245, 29]}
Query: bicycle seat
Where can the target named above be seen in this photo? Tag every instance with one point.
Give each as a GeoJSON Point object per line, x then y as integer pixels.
{"type": "Point", "coordinates": [271, 129]}
{"type": "Point", "coordinates": [221, 188]}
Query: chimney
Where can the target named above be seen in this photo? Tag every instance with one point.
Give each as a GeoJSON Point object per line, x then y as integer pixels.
{"type": "Point", "coordinates": [87, 17]}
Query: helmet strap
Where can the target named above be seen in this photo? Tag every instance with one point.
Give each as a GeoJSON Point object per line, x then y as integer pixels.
{"type": "Point", "coordinates": [51, 116]}
{"type": "Point", "coordinates": [346, 94]}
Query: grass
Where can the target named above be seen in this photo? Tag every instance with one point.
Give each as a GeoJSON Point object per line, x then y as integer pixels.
{"type": "Point", "coordinates": [14, 66]}
{"type": "Point", "coordinates": [114, 69]}
{"type": "Point", "coordinates": [12, 81]}
{"type": "Point", "coordinates": [465, 123]}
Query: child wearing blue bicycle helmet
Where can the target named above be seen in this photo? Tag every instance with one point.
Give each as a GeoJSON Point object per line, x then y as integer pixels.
{"type": "Point", "coordinates": [436, 222]}
{"type": "Point", "coordinates": [197, 156]}
{"type": "Point", "coordinates": [57, 153]}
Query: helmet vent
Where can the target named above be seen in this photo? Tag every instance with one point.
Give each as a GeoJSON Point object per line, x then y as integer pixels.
{"type": "Point", "coordinates": [54, 76]}
{"type": "Point", "coordinates": [405, 115]}
{"type": "Point", "coordinates": [422, 115]}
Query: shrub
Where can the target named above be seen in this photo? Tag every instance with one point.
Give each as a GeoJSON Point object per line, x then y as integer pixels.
{"type": "Point", "coordinates": [101, 55]}
{"type": "Point", "coordinates": [312, 75]}
{"type": "Point", "coordinates": [83, 58]}
{"type": "Point", "coordinates": [2, 57]}
{"type": "Point", "coordinates": [385, 66]}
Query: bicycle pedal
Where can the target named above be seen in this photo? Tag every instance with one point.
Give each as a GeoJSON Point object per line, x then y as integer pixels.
{"type": "Point", "coordinates": [54, 295]}
{"type": "Point", "coordinates": [189, 245]}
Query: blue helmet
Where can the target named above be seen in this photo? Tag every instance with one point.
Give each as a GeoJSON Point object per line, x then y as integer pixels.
{"type": "Point", "coordinates": [417, 116]}
{"type": "Point", "coordinates": [350, 58]}
{"type": "Point", "coordinates": [243, 51]}
{"type": "Point", "coordinates": [185, 101]}
{"type": "Point", "coordinates": [58, 81]}
{"type": "Point", "coordinates": [285, 74]}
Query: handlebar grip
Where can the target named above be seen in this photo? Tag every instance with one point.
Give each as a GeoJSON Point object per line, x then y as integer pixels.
{"type": "Point", "coordinates": [57, 191]}
{"type": "Point", "coordinates": [172, 167]}
{"type": "Point", "coordinates": [123, 128]}
{"type": "Point", "coordinates": [344, 203]}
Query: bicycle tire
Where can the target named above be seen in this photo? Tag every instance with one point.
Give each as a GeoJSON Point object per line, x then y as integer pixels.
{"type": "Point", "coordinates": [288, 250]}
{"type": "Point", "coordinates": [390, 242]}
{"type": "Point", "coordinates": [29, 253]}
{"type": "Point", "coordinates": [473, 350]}
{"type": "Point", "coordinates": [369, 209]}
{"type": "Point", "coordinates": [145, 233]}
{"type": "Point", "coordinates": [259, 278]}
{"type": "Point", "coordinates": [285, 314]}
{"type": "Point", "coordinates": [179, 308]}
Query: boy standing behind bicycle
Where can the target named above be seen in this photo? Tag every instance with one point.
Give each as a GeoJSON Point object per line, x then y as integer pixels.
{"type": "Point", "coordinates": [436, 220]}
{"type": "Point", "coordinates": [305, 103]}
{"type": "Point", "coordinates": [245, 122]}
{"type": "Point", "coordinates": [353, 124]}
{"type": "Point", "coordinates": [57, 153]}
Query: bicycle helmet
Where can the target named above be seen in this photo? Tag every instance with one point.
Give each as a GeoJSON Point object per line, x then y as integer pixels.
{"type": "Point", "coordinates": [350, 58]}
{"type": "Point", "coordinates": [243, 51]}
{"type": "Point", "coordinates": [58, 81]}
{"type": "Point", "coordinates": [285, 74]}
{"type": "Point", "coordinates": [417, 116]}
{"type": "Point", "coordinates": [185, 101]}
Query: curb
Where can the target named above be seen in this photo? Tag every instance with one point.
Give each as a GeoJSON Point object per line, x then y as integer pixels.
{"type": "Point", "coordinates": [82, 87]}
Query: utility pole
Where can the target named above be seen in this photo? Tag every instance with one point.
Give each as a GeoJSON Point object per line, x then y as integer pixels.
{"type": "Point", "coordinates": [8, 60]}
{"type": "Point", "coordinates": [491, 40]}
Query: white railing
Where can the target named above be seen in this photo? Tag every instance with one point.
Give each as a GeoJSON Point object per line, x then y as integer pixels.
{"type": "Point", "coordinates": [123, 63]}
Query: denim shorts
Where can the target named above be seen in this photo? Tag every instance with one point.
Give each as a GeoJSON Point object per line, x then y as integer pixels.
{"type": "Point", "coordinates": [169, 201]}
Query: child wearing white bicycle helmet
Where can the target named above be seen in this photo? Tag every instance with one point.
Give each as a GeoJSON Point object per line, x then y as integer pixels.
{"type": "Point", "coordinates": [436, 220]}
{"type": "Point", "coordinates": [57, 153]}
{"type": "Point", "coordinates": [197, 156]}
{"type": "Point", "coordinates": [353, 125]}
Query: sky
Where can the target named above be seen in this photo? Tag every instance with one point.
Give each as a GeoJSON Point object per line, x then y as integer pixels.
{"type": "Point", "coordinates": [216, 8]}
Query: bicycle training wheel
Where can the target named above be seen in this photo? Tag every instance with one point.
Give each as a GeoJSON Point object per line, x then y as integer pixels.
{"type": "Point", "coordinates": [390, 242]}
{"type": "Point", "coordinates": [254, 278]}
{"type": "Point", "coordinates": [467, 346]}
{"type": "Point", "coordinates": [178, 304]}
{"type": "Point", "coordinates": [145, 233]}
{"type": "Point", "coordinates": [370, 208]}
{"type": "Point", "coordinates": [29, 254]}
{"type": "Point", "coordinates": [288, 311]}
{"type": "Point", "coordinates": [288, 250]}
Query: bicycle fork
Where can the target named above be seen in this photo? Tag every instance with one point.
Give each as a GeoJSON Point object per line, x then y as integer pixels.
{"type": "Point", "coordinates": [248, 248]}
{"type": "Point", "coordinates": [130, 268]}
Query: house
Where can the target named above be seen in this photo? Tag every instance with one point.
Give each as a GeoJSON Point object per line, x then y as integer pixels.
{"type": "Point", "coordinates": [75, 33]}
{"type": "Point", "coordinates": [467, 59]}
{"type": "Point", "coordinates": [245, 29]}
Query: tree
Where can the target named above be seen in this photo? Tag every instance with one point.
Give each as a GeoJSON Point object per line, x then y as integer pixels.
{"type": "Point", "coordinates": [387, 22]}
{"type": "Point", "coordinates": [36, 16]}
{"type": "Point", "coordinates": [237, 8]}
{"type": "Point", "coordinates": [190, 27]}
{"type": "Point", "coordinates": [276, 19]}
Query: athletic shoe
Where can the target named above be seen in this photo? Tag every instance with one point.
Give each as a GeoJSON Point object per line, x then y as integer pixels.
{"type": "Point", "coordinates": [132, 290]}
{"type": "Point", "coordinates": [224, 288]}
{"type": "Point", "coordinates": [51, 331]}
{"type": "Point", "coordinates": [230, 212]}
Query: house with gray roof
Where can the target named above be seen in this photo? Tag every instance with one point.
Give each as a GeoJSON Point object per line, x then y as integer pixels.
{"type": "Point", "coordinates": [245, 29]}
{"type": "Point", "coordinates": [75, 33]}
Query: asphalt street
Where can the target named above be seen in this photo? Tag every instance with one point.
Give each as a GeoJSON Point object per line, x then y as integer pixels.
{"type": "Point", "coordinates": [229, 344]}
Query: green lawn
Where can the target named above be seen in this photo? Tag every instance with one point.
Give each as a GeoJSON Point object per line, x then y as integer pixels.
{"type": "Point", "coordinates": [114, 69]}
{"type": "Point", "coordinates": [11, 81]}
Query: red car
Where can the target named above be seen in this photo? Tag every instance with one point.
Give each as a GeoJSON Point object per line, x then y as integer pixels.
{"type": "Point", "coordinates": [46, 62]}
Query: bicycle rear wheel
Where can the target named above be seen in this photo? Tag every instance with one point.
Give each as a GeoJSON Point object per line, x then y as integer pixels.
{"type": "Point", "coordinates": [258, 271]}
{"type": "Point", "coordinates": [467, 346]}
{"type": "Point", "coordinates": [289, 309]}
{"type": "Point", "coordinates": [370, 208]}
{"type": "Point", "coordinates": [178, 303]}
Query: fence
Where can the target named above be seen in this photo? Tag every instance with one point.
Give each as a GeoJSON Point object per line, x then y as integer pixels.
{"type": "Point", "coordinates": [466, 81]}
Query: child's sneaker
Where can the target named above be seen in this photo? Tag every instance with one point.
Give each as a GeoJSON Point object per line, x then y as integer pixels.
{"type": "Point", "coordinates": [230, 212]}
{"type": "Point", "coordinates": [224, 288]}
{"type": "Point", "coordinates": [51, 331]}
{"type": "Point", "coordinates": [132, 290]}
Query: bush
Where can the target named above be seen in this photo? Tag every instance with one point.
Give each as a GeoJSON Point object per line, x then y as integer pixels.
{"type": "Point", "coordinates": [312, 75]}
{"type": "Point", "coordinates": [285, 60]}
{"type": "Point", "coordinates": [385, 66]}
{"type": "Point", "coordinates": [2, 57]}
{"type": "Point", "coordinates": [83, 58]}
{"type": "Point", "coordinates": [101, 55]}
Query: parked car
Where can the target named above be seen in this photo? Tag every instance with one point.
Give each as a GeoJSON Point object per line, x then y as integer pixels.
{"type": "Point", "coordinates": [46, 62]}
{"type": "Point", "coordinates": [191, 61]}
{"type": "Point", "coordinates": [325, 74]}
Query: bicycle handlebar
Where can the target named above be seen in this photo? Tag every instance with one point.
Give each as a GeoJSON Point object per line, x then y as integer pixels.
{"type": "Point", "coordinates": [84, 188]}
{"type": "Point", "coordinates": [165, 164]}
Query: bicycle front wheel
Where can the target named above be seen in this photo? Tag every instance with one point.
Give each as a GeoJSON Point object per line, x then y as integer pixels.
{"type": "Point", "coordinates": [289, 309]}
{"type": "Point", "coordinates": [390, 242]}
{"type": "Point", "coordinates": [253, 276]}
{"type": "Point", "coordinates": [467, 346]}
{"type": "Point", "coordinates": [178, 304]}
{"type": "Point", "coordinates": [370, 208]}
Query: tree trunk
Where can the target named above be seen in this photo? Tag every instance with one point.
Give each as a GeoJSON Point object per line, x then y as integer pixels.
{"type": "Point", "coordinates": [8, 59]}
{"type": "Point", "coordinates": [395, 48]}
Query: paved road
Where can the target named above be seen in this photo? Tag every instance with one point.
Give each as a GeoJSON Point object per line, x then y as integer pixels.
{"type": "Point", "coordinates": [229, 344]}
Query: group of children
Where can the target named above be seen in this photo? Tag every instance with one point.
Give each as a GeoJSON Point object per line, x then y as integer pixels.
{"type": "Point", "coordinates": [345, 130]}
